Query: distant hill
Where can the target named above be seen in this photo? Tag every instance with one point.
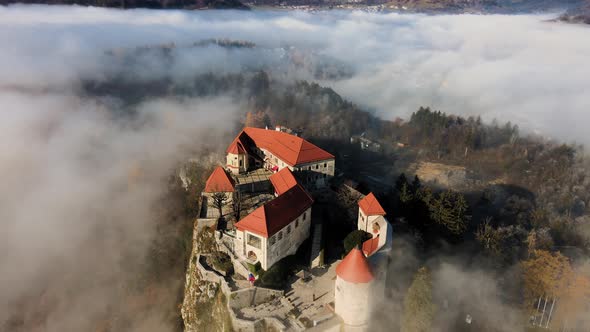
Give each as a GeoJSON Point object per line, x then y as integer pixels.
{"type": "Point", "coordinates": [153, 4]}
{"type": "Point", "coordinates": [577, 15]}
{"type": "Point", "coordinates": [454, 6]}
{"type": "Point", "coordinates": [576, 11]}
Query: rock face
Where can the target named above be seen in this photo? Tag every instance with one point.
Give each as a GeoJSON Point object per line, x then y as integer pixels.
{"type": "Point", "coordinates": [204, 307]}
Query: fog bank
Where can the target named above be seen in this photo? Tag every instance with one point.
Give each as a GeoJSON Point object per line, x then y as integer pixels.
{"type": "Point", "coordinates": [72, 223]}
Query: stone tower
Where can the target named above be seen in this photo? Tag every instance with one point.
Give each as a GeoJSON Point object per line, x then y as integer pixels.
{"type": "Point", "coordinates": [354, 283]}
{"type": "Point", "coordinates": [369, 211]}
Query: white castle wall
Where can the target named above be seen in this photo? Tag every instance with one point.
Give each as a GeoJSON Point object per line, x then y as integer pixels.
{"type": "Point", "coordinates": [352, 302]}
{"type": "Point", "coordinates": [365, 222]}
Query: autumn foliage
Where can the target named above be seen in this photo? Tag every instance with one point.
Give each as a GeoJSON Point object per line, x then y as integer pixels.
{"type": "Point", "coordinates": [550, 275]}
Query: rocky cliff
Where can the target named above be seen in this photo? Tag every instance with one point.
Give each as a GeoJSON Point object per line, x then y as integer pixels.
{"type": "Point", "coordinates": [204, 307]}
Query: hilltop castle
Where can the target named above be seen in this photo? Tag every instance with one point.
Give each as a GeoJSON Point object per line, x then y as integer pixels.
{"type": "Point", "coordinates": [276, 227]}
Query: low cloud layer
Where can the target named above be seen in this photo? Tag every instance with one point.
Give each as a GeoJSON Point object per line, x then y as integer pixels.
{"type": "Point", "coordinates": [79, 197]}
{"type": "Point", "coordinates": [520, 68]}
{"type": "Point", "coordinates": [70, 221]}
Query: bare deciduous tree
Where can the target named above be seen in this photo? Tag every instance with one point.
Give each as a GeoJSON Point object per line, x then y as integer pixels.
{"type": "Point", "coordinates": [219, 201]}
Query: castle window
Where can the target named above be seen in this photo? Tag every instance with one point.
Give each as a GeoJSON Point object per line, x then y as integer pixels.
{"type": "Point", "coordinates": [325, 165]}
{"type": "Point", "coordinates": [296, 223]}
{"type": "Point", "coordinates": [289, 229]}
{"type": "Point", "coordinates": [272, 240]}
{"type": "Point", "coordinates": [280, 236]}
{"type": "Point", "coordinates": [254, 241]}
{"type": "Point", "coordinates": [317, 166]}
{"type": "Point", "coordinates": [376, 228]}
{"type": "Point", "coordinates": [304, 215]}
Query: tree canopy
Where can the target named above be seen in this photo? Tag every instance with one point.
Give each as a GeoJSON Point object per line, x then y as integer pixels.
{"type": "Point", "coordinates": [449, 209]}
{"type": "Point", "coordinates": [354, 239]}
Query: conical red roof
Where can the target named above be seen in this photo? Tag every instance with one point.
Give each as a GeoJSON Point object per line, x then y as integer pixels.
{"type": "Point", "coordinates": [355, 268]}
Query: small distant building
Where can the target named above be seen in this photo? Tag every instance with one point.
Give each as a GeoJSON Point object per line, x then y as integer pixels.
{"type": "Point", "coordinates": [276, 229]}
{"type": "Point", "coordinates": [286, 130]}
{"type": "Point", "coordinates": [365, 143]}
{"type": "Point", "coordinates": [275, 150]}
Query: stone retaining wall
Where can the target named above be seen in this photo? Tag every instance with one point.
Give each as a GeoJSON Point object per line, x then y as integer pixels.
{"type": "Point", "coordinates": [239, 268]}
{"type": "Point", "coordinates": [205, 222]}
{"type": "Point", "coordinates": [253, 296]}
{"type": "Point", "coordinates": [243, 298]}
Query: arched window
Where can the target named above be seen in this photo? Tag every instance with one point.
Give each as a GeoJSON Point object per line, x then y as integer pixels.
{"type": "Point", "coordinates": [376, 227]}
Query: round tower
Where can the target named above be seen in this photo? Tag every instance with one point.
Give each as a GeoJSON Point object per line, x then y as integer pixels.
{"type": "Point", "coordinates": [354, 280]}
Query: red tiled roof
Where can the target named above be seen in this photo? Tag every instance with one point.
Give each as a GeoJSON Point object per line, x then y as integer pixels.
{"type": "Point", "coordinates": [291, 149]}
{"type": "Point", "coordinates": [355, 268]}
{"type": "Point", "coordinates": [283, 181]}
{"type": "Point", "coordinates": [273, 216]}
{"type": "Point", "coordinates": [219, 181]}
{"type": "Point", "coordinates": [371, 206]}
{"type": "Point", "coordinates": [370, 246]}
{"type": "Point", "coordinates": [236, 147]}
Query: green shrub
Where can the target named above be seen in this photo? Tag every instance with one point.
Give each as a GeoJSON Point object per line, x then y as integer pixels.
{"type": "Point", "coordinates": [222, 262]}
{"type": "Point", "coordinates": [355, 238]}
{"type": "Point", "coordinates": [278, 275]}
{"type": "Point", "coordinates": [254, 268]}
